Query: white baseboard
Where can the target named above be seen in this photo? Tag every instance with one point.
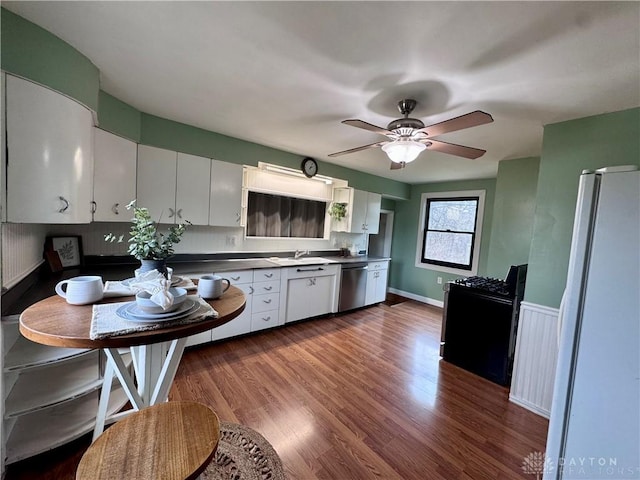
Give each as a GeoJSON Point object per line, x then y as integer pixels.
{"type": "Point", "coordinates": [530, 406]}
{"type": "Point", "coordinates": [418, 298]}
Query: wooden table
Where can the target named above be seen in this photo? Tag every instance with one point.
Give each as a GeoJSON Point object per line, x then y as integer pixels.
{"type": "Point", "coordinates": [173, 441]}
{"type": "Point", "coordinates": [156, 354]}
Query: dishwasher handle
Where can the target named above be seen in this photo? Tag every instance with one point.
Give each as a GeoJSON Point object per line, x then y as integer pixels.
{"type": "Point", "coordinates": [356, 267]}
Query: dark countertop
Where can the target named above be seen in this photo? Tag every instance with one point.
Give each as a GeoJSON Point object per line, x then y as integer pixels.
{"type": "Point", "coordinates": [41, 283]}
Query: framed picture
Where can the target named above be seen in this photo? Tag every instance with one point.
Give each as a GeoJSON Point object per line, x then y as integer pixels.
{"type": "Point", "coordinates": [68, 248]}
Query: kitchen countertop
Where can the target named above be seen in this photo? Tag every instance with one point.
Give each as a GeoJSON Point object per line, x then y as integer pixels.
{"type": "Point", "coordinates": [41, 284]}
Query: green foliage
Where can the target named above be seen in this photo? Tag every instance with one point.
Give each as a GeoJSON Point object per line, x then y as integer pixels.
{"type": "Point", "coordinates": [338, 210]}
{"type": "Point", "coordinates": [145, 242]}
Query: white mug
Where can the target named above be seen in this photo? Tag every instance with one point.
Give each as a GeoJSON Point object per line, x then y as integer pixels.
{"type": "Point", "coordinates": [210, 286]}
{"type": "Point", "coordinates": [81, 290]}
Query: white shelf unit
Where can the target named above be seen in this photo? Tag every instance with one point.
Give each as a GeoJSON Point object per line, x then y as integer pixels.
{"type": "Point", "coordinates": [50, 394]}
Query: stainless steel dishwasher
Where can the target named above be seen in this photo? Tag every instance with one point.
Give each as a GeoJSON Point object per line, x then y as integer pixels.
{"type": "Point", "coordinates": [353, 286]}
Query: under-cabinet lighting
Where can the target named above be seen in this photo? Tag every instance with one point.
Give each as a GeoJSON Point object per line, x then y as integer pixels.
{"type": "Point", "coordinates": [296, 173]}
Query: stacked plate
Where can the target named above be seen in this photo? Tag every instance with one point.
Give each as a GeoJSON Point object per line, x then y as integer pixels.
{"type": "Point", "coordinates": [131, 311]}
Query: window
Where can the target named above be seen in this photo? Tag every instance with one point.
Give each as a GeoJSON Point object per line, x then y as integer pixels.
{"type": "Point", "coordinates": [449, 231]}
{"type": "Point", "coordinates": [279, 216]}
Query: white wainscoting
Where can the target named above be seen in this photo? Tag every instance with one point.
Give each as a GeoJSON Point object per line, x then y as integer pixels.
{"type": "Point", "coordinates": [22, 248]}
{"type": "Point", "coordinates": [535, 360]}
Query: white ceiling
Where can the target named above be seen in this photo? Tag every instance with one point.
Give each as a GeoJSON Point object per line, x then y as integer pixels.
{"type": "Point", "coordinates": [284, 74]}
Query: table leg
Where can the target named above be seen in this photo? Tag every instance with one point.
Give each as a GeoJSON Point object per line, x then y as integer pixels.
{"type": "Point", "coordinates": [155, 368]}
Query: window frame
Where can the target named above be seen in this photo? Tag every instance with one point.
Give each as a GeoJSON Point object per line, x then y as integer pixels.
{"type": "Point", "coordinates": [428, 197]}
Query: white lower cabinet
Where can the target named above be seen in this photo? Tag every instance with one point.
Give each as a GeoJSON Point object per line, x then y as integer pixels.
{"type": "Point", "coordinates": [265, 307]}
{"type": "Point", "coordinates": [308, 291]}
{"type": "Point", "coordinates": [50, 394]}
{"type": "Point", "coordinates": [376, 291]}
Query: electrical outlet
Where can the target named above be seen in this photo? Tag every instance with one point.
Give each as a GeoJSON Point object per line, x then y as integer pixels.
{"type": "Point", "coordinates": [439, 280]}
{"type": "Point", "coordinates": [231, 240]}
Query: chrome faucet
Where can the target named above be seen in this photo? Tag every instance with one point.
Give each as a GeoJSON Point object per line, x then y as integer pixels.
{"type": "Point", "coordinates": [300, 253]}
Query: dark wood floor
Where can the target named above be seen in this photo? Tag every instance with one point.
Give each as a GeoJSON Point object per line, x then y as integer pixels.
{"type": "Point", "coordinates": [356, 396]}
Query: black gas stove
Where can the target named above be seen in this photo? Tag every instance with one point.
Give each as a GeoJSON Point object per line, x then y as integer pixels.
{"type": "Point", "coordinates": [480, 322]}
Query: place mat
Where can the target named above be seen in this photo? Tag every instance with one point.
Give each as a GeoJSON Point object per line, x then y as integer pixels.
{"type": "Point", "coordinates": [243, 454]}
{"type": "Point", "coordinates": [118, 289]}
{"type": "Point", "coordinates": [105, 322]}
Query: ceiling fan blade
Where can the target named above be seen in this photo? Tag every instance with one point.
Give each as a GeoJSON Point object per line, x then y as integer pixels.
{"type": "Point", "coordinates": [453, 149]}
{"type": "Point", "coordinates": [397, 166]}
{"type": "Point", "coordinates": [366, 126]}
{"type": "Point", "coordinates": [357, 149]}
{"type": "Point", "coordinates": [469, 120]}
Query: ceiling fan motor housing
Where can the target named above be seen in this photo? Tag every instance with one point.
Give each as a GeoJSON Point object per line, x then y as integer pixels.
{"type": "Point", "coordinates": [405, 126]}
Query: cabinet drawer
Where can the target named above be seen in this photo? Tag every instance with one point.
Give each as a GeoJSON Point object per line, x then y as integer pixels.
{"type": "Point", "coordinates": [266, 274]}
{"type": "Point", "coordinates": [238, 276]}
{"type": "Point", "coordinates": [261, 288]}
{"type": "Point", "coordinates": [263, 303]}
{"type": "Point", "coordinates": [262, 320]}
{"type": "Point", "coordinates": [379, 265]}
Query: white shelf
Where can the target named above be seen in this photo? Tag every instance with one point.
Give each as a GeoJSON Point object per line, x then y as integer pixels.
{"type": "Point", "coordinates": [56, 384]}
{"type": "Point", "coordinates": [27, 354]}
{"type": "Point", "coordinates": [47, 429]}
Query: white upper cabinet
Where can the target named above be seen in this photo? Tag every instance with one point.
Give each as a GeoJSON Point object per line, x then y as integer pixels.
{"type": "Point", "coordinates": [156, 182]}
{"type": "Point", "coordinates": [192, 189]}
{"type": "Point", "coordinates": [363, 211]}
{"type": "Point", "coordinates": [173, 186]}
{"type": "Point", "coordinates": [114, 176]}
{"type": "Point", "coordinates": [50, 156]}
{"type": "Point", "coordinates": [226, 194]}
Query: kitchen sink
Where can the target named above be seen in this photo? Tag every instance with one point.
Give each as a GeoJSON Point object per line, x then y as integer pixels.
{"type": "Point", "coordinates": [292, 262]}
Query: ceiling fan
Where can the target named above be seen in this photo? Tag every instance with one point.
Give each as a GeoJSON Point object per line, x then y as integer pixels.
{"type": "Point", "coordinates": [408, 137]}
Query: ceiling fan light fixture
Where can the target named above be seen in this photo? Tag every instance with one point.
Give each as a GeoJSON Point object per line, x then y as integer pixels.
{"type": "Point", "coordinates": [403, 150]}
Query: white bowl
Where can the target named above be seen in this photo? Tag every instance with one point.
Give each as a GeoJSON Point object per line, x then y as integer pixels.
{"type": "Point", "coordinates": [145, 304]}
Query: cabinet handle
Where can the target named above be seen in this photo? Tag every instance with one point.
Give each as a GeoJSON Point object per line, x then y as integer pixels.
{"type": "Point", "coordinates": [312, 282]}
{"type": "Point", "coordinates": [65, 206]}
{"type": "Point", "coordinates": [267, 301]}
{"type": "Point", "coordinates": [268, 289]}
{"type": "Point", "coordinates": [309, 269]}
{"type": "Point", "coordinates": [267, 319]}
{"type": "Point", "coordinates": [114, 209]}
{"type": "Point", "coordinates": [235, 279]}
{"type": "Point", "coordinates": [171, 213]}
{"type": "Point", "coordinates": [268, 275]}
{"type": "Point", "coordinates": [179, 213]}
{"type": "Point", "coordinates": [94, 207]}
{"type": "Point", "coordinates": [251, 290]}
{"type": "Point", "coordinates": [238, 217]}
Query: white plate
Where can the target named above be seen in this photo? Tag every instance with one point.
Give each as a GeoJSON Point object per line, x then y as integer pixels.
{"type": "Point", "coordinates": [175, 280]}
{"type": "Point", "coordinates": [131, 311]}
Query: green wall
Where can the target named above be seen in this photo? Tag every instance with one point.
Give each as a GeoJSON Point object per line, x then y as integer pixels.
{"type": "Point", "coordinates": [567, 149]}
{"type": "Point", "coordinates": [32, 52]}
{"type": "Point", "coordinates": [513, 213]}
{"type": "Point", "coordinates": [404, 275]}
{"type": "Point", "coordinates": [117, 117]}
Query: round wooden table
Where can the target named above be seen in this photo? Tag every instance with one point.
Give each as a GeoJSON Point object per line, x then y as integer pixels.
{"type": "Point", "coordinates": [171, 441]}
{"type": "Point", "coordinates": [156, 354]}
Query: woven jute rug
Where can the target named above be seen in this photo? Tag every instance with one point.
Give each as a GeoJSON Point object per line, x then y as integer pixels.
{"type": "Point", "coordinates": [243, 454]}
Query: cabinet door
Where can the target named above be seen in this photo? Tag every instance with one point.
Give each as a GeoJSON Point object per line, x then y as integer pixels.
{"type": "Point", "coordinates": [114, 176]}
{"type": "Point", "coordinates": [372, 220]}
{"type": "Point", "coordinates": [50, 156]}
{"type": "Point", "coordinates": [298, 299]}
{"type": "Point", "coordinates": [242, 323]}
{"type": "Point", "coordinates": [321, 296]}
{"type": "Point", "coordinates": [192, 189]}
{"type": "Point", "coordinates": [359, 211]}
{"type": "Point", "coordinates": [156, 182]}
{"type": "Point", "coordinates": [370, 292]}
{"type": "Point", "coordinates": [226, 194]}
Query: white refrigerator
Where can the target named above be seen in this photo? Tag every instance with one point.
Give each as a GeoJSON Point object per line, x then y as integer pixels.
{"type": "Point", "coordinates": [594, 429]}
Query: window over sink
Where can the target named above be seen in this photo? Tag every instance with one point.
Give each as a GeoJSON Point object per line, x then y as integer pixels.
{"type": "Point", "coordinates": [270, 215]}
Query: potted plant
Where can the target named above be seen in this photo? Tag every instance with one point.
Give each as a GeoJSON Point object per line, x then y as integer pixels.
{"type": "Point", "coordinates": [338, 210]}
{"type": "Point", "coordinates": [146, 243]}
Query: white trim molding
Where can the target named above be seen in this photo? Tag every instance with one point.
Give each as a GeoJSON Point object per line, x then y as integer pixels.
{"type": "Point", "coordinates": [418, 298]}
{"type": "Point", "coordinates": [536, 354]}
